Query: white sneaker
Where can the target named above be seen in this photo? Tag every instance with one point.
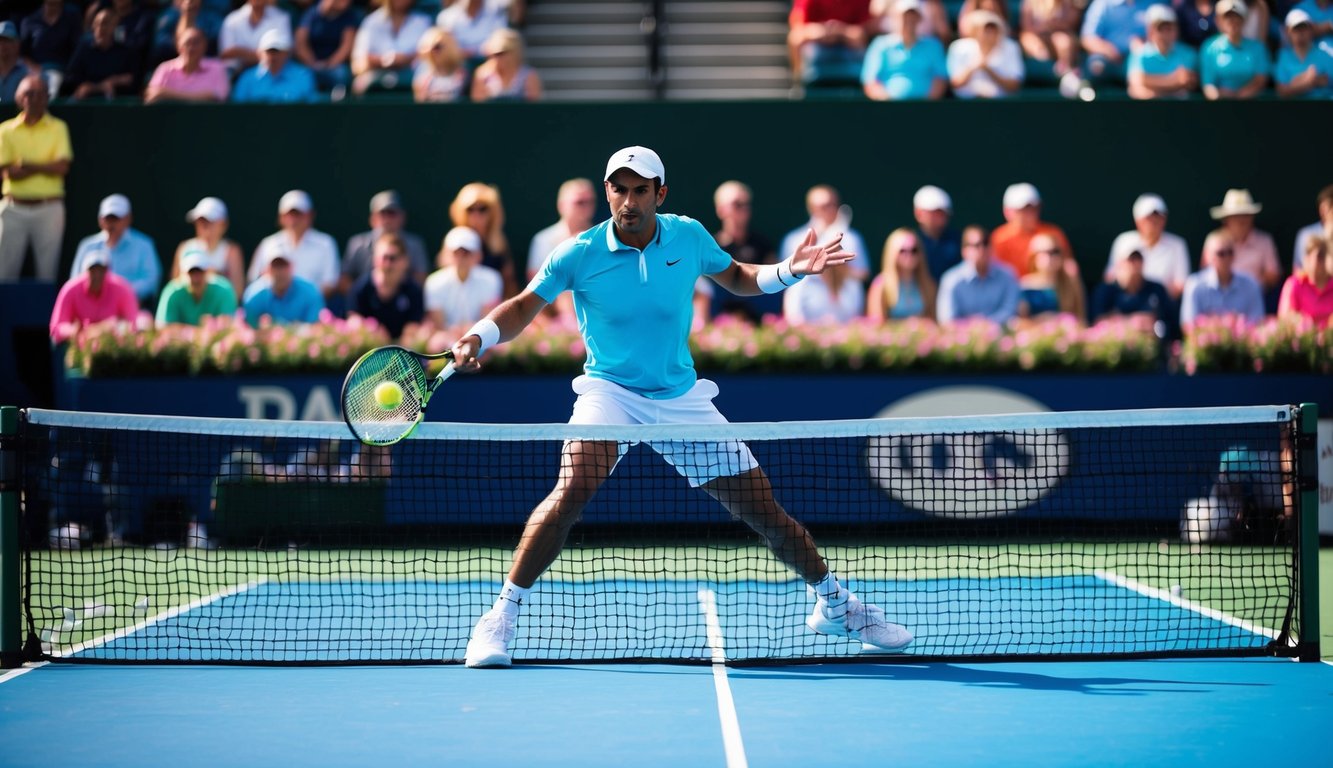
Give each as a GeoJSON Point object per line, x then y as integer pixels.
{"type": "Point", "coordinates": [861, 622]}
{"type": "Point", "coordinates": [489, 646]}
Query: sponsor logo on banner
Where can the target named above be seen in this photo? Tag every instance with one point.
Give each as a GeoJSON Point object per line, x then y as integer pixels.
{"type": "Point", "coordinates": [968, 475]}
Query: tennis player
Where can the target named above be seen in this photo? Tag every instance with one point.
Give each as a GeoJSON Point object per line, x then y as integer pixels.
{"type": "Point", "coordinates": [632, 278]}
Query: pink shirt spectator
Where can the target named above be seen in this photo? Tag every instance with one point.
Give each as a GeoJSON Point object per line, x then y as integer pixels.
{"type": "Point", "coordinates": [211, 78]}
{"type": "Point", "coordinates": [76, 306]}
{"type": "Point", "coordinates": [1301, 296]}
{"type": "Point", "coordinates": [1256, 254]}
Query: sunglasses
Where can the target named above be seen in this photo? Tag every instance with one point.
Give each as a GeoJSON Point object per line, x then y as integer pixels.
{"type": "Point", "coordinates": [1224, 252]}
{"type": "Point", "coordinates": [478, 208]}
{"type": "Point", "coordinates": [913, 249]}
{"type": "Point", "coordinates": [975, 244]}
{"type": "Point", "coordinates": [1048, 252]}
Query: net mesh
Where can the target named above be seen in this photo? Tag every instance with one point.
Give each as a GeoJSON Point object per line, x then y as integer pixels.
{"type": "Point", "coordinates": [1116, 533]}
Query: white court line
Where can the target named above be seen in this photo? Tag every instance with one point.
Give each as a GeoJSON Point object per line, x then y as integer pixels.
{"type": "Point", "coordinates": [1181, 602]}
{"type": "Point", "coordinates": [726, 706]}
{"type": "Point", "coordinates": [23, 670]}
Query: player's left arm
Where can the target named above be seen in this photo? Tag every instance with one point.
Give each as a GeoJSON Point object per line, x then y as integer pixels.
{"type": "Point", "coordinates": [809, 259]}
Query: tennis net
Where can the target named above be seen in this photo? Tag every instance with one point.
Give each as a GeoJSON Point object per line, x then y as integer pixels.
{"type": "Point", "coordinates": [1118, 534]}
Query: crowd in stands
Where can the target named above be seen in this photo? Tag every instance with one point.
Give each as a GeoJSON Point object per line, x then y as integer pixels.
{"type": "Point", "coordinates": [265, 51]}
{"type": "Point", "coordinates": [1148, 49]}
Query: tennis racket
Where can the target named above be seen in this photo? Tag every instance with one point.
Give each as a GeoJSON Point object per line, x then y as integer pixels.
{"type": "Point", "coordinates": [370, 421]}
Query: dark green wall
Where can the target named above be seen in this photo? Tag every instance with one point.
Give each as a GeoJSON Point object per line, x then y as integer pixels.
{"type": "Point", "coordinates": [1089, 159]}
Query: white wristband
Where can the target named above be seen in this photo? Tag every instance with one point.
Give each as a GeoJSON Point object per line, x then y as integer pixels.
{"type": "Point", "coordinates": [487, 331]}
{"type": "Point", "coordinates": [775, 278]}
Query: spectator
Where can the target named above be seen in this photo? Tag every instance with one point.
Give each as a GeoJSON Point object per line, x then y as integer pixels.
{"type": "Point", "coordinates": [504, 76]}
{"type": "Point", "coordinates": [1218, 289]}
{"type": "Point", "coordinates": [1162, 68]}
{"type": "Point", "coordinates": [276, 79]}
{"type": "Point", "coordinates": [1166, 257]}
{"type": "Point", "coordinates": [827, 40]}
{"type": "Point", "coordinates": [131, 22]}
{"type": "Point", "coordinates": [933, 208]}
{"type": "Point", "coordinates": [48, 35]}
{"type": "Point", "coordinates": [829, 218]}
{"type": "Point", "coordinates": [904, 287]}
{"type": "Point", "coordinates": [834, 297]}
{"type": "Point", "coordinates": [1303, 70]}
{"type": "Point", "coordinates": [984, 63]}
{"type": "Point", "coordinates": [312, 255]}
{"type": "Point", "coordinates": [1049, 288]}
{"type": "Point", "coordinates": [177, 17]}
{"type": "Point", "coordinates": [387, 217]}
{"type": "Point", "coordinates": [1012, 240]}
{"type": "Point", "coordinates": [903, 65]}
{"type": "Point", "coordinates": [1048, 33]}
{"type": "Point", "coordinates": [733, 202]}
{"type": "Point", "coordinates": [979, 286]}
{"type": "Point", "coordinates": [575, 202]}
{"type": "Point", "coordinates": [1321, 20]}
{"type": "Point", "coordinates": [1111, 29]}
{"type": "Point", "coordinates": [472, 22]}
{"type": "Point", "coordinates": [998, 7]}
{"type": "Point", "coordinates": [933, 21]}
{"type": "Point", "coordinates": [388, 293]}
{"type": "Point", "coordinates": [1309, 290]}
{"type": "Point", "coordinates": [189, 76]}
{"type": "Point", "coordinates": [238, 43]}
{"type": "Point", "coordinates": [102, 66]}
{"type": "Point", "coordinates": [281, 296]}
{"type": "Point", "coordinates": [133, 254]}
{"type": "Point", "coordinates": [12, 69]}
{"type": "Point", "coordinates": [196, 294]}
{"type": "Point", "coordinates": [35, 155]}
{"type": "Point", "coordinates": [1256, 253]}
{"type": "Point", "coordinates": [223, 257]}
{"type": "Point", "coordinates": [1233, 66]}
{"type": "Point", "coordinates": [324, 41]}
{"type": "Point", "coordinates": [478, 207]}
{"type": "Point", "coordinates": [1322, 228]}
{"type": "Point", "coordinates": [440, 75]}
{"type": "Point", "coordinates": [463, 290]}
{"type": "Point", "coordinates": [91, 297]}
{"type": "Point", "coordinates": [1131, 294]}
{"type": "Point", "coordinates": [385, 49]}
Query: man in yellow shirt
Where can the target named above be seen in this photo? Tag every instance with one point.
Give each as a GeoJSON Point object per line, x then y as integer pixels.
{"type": "Point", "coordinates": [35, 156]}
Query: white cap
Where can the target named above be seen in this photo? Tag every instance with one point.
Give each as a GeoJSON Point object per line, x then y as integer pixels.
{"type": "Point", "coordinates": [1021, 196]}
{"type": "Point", "coordinates": [463, 237]}
{"type": "Point", "coordinates": [1232, 6]}
{"type": "Point", "coordinates": [295, 200]}
{"type": "Point", "coordinates": [1157, 14]}
{"type": "Point", "coordinates": [96, 257]}
{"type": "Point", "coordinates": [932, 198]}
{"type": "Point", "coordinates": [209, 209]}
{"type": "Point", "coordinates": [641, 160]}
{"type": "Point", "coordinates": [114, 205]}
{"type": "Point", "coordinates": [1298, 17]}
{"type": "Point", "coordinates": [194, 259]}
{"type": "Point", "coordinates": [275, 40]}
{"type": "Point", "coordinates": [903, 6]}
{"type": "Point", "coordinates": [1148, 204]}
{"type": "Point", "coordinates": [981, 17]}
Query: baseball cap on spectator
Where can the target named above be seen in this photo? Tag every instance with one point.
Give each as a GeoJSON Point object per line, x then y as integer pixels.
{"type": "Point", "coordinates": [1159, 14]}
{"type": "Point", "coordinates": [114, 205]}
{"type": "Point", "coordinates": [1237, 7]}
{"type": "Point", "coordinates": [463, 237]}
{"type": "Point", "coordinates": [275, 40]}
{"type": "Point", "coordinates": [97, 257]}
{"type": "Point", "coordinates": [295, 200]}
{"type": "Point", "coordinates": [1149, 204]}
{"type": "Point", "coordinates": [903, 6]}
{"type": "Point", "coordinates": [7, 29]}
{"type": "Point", "coordinates": [1021, 196]}
{"type": "Point", "coordinates": [932, 198]}
{"type": "Point", "coordinates": [388, 200]}
{"type": "Point", "coordinates": [208, 209]}
{"type": "Point", "coordinates": [641, 160]}
{"type": "Point", "coordinates": [984, 18]}
{"type": "Point", "coordinates": [1298, 17]}
{"type": "Point", "coordinates": [193, 259]}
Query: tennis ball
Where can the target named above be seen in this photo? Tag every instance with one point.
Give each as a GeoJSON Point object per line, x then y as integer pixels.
{"type": "Point", "coordinates": [388, 395]}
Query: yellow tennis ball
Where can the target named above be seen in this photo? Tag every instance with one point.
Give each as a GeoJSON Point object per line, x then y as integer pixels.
{"type": "Point", "coordinates": [388, 395]}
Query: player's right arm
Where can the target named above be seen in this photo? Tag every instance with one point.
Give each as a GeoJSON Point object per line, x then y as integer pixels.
{"type": "Point", "coordinates": [510, 317]}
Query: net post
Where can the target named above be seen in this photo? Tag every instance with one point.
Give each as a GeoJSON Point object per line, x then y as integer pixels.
{"type": "Point", "coordinates": [11, 620]}
{"type": "Point", "coordinates": [1307, 506]}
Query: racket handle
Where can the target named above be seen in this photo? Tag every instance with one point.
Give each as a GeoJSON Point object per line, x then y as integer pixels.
{"type": "Point", "coordinates": [444, 374]}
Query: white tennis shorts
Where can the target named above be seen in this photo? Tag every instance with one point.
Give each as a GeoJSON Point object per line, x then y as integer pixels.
{"type": "Point", "coordinates": [605, 402]}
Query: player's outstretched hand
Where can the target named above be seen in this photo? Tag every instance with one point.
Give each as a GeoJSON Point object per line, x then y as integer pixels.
{"type": "Point", "coordinates": [811, 259]}
{"type": "Point", "coordinates": [465, 354]}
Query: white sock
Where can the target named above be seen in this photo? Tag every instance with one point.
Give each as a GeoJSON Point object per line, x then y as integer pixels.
{"type": "Point", "coordinates": [834, 596]}
{"type": "Point", "coordinates": [511, 598]}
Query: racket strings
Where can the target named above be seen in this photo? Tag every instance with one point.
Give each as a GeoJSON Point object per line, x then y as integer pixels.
{"type": "Point", "coordinates": [370, 421]}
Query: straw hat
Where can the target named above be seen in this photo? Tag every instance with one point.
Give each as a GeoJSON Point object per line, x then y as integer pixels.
{"type": "Point", "coordinates": [1236, 202]}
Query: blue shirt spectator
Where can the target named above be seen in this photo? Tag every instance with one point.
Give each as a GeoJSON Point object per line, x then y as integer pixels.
{"type": "Point", "coordinates": [904, 71]}
{"type": "Point", "coordinates": [12, 69]}
{"type": "Point", "coordinates": [282, 297]}
{"type": "Point", "coordinates": [1116, 21]}
{"type": "Point", "coordinates": [133, 254]}
{"type": "Point", "coordinates": [1206, 295]}
{"type": "Point", "coordinates": [276, 78]}
{"type": "Point", "coordinates": [323, 30]}
{"type": "Point", "coordinates": [978, 287]}
{"type": "Point", "coordinates": [1229, 66]}
{"type": "Point", "coordinates": [1150, 61]}
{"type": "Point", "coordinates": [1322, 18]}
{"type": "Point", "coordinates": [48, 35]}
{"type": "Point", "coordinates": [1290, 64]}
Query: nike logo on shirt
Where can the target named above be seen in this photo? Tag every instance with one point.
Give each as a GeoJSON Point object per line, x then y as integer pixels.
{"type": "Point", "coordinates": [673, 263]}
